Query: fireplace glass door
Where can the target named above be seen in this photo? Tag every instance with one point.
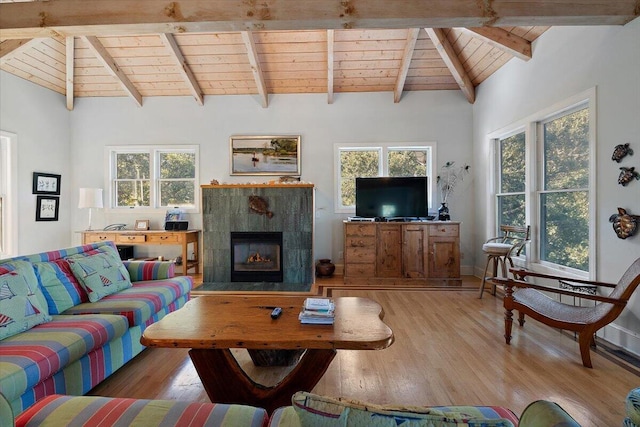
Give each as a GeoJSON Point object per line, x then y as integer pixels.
{"type": "Point", "coordinates": [256, 257]}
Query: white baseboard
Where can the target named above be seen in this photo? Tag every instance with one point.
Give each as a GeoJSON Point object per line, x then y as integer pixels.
{"type": "Point", "coordinates": [621, 337]}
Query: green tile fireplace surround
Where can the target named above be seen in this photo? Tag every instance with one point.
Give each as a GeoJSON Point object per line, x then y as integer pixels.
{"type": "Point", "coordinates": [227, 208]}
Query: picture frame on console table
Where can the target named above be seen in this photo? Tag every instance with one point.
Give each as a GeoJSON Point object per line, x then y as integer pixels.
{"type": "Point", "coordinates": [264, 155]}
{"type": "Point", "coordinates": [142, 224]}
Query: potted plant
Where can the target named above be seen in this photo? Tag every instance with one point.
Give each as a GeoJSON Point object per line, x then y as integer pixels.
{"type": "Point", "coordinates": [447, 181]}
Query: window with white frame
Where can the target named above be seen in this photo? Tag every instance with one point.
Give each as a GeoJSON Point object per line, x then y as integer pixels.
{"type": "Point", "coordinates": [555, 197]}
{"type": "Point", "coordinates": [8, 195]}
{"type": "Point", "coordinates": [153, 177]}
{"type": "Point", "coordinates": [373, 160]}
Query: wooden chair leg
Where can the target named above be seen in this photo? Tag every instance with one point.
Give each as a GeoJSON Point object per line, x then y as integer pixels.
{"type": "Point", "coordinates": [508, 323]}
{"type": "Point", "coordinates": [521, 318]}
{"type": "Point", "coordinates": [501, 261]}
{"type": "Point", "coordinates": [484, 277]}
{"type": "Point", "coordinates": [585, 338]}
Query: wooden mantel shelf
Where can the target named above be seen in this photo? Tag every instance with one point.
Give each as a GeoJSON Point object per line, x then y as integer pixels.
{"type": "Point", "coordinates": [260, 185]}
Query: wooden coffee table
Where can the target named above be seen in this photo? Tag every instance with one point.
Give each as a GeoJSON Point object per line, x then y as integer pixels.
{"type": "Point", "coordinates": [212, 325]}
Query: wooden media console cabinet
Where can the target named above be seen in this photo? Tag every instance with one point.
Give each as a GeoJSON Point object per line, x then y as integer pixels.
{"type": "Point", "coordinates": [402, 253]}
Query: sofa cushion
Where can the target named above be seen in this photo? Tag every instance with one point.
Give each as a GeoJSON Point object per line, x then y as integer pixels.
{"type": "Point", "coordinates": [140, 302]}
{"type": "Point", "coordinates": [28, 358]}
{"type": "Point", "coordinates": [318, 410]}
{"type": "Point", "coordinates": [25, 268]}
{"type": "Point", "coordinates": [6, 413]}
{"type": "Point", "coordinates": [116, 412]}
{"type": "Point", "coordinates": [150, 270]}
{"type": "Point", "coordinates": [632, 407]}
{"type": "Point", "coordinates": [60, 287]}
{"type": "Point", "coordinates": [546, 413]}
{"type": "Point", "coordinates": [100, 274]}
{"type": "Point", "coordinates": [22, 304]}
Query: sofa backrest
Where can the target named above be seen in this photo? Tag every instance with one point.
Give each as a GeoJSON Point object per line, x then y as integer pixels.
{"type": "Point", "coordinates": [61, 253]}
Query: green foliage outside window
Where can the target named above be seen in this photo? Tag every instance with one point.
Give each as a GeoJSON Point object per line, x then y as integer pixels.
{"type": "Point", "coordinates": [511, 200]}
{"type": "Point", "coordinates": [133, 172]}
{"type": "Point", "coordinates": [407, 163]}
{"type": "Point", "coordinates": [177, 175]}
{"type": "Point", "coordinates": [353, 164]}
{"type": "Point", "coordinates": [564, 205]}
{"type": "Point", "coordinates": [565, 225]}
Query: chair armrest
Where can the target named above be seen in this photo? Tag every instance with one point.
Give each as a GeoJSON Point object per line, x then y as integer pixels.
{"type": "Point", "coordinates": [150, 270]}
{"type": "Point", "coordinates": [522, 273]}
{"type": "Point", "coordinates": [493, 239]}
{"type": "Point", "coordinates": [517, 245]}
{"type": "Point", "coordinates": [543, 413]}
{"type": "Point", "coordinates": [510, 283]}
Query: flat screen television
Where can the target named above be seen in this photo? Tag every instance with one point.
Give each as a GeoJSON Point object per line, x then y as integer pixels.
{"type": "Point", "coordinates": [391, 197]}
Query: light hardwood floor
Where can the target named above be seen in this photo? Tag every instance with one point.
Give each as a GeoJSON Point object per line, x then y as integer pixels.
{"type": "Point", "coordinates": [449, 349]}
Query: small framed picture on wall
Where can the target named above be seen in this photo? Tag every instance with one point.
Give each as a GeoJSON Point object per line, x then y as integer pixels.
{"type": "Point", "coordinates": [46, 183]}
{"type": "Point", "coordinates": [47, 208]}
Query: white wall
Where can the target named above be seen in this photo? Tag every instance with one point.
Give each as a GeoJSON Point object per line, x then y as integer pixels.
{"type": "Point", "coordinates": [444, 117]}
{"type": "Point", "coordinates": [40, 119]}
{"type": "Point", "coordinates": [568, 61]}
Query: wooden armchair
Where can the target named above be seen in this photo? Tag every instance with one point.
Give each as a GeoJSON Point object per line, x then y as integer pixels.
{"type": "Point", "coordinates": [528, 299]}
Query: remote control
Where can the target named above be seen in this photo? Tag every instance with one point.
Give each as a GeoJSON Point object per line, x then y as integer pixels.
{"type": "Point", "coordinates": [276, 313]}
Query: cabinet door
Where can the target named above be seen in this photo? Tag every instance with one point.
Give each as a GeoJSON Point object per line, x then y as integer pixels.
{"type": "Point", "coordinates": [444, 257]}
{"type": "Point", "coordinates": [359, 250]}
{"type": "Point", "coordinates": [414, 259]}
{"type": "Point", "coordinates": [389, 251]}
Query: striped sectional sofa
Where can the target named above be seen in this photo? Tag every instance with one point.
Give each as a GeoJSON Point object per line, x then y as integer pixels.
{"type": "Point", "coordinates": [307, 410]}
{"type": "Point", "coordinates": [70, 318]}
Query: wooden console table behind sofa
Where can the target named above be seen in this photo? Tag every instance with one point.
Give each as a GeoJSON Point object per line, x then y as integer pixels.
{"type": "Point", "coordinates": [152, 237]}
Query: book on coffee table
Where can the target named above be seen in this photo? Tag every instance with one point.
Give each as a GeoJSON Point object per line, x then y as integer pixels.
{"type": "Point", "coordinates": [317, 311]}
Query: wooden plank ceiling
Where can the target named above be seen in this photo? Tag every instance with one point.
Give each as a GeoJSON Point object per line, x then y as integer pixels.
{"type": "Point", "coordinates": [92, 59]}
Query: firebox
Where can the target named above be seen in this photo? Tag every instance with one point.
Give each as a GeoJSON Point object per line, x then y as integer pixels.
{"type": "Point", "coordinates": [256, 257]}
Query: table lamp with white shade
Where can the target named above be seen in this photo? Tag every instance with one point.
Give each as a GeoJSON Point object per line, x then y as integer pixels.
{"type": "Point", "coordinates": [90, 198]}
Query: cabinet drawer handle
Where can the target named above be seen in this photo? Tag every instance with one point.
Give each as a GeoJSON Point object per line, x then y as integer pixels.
{"type": "Point", "coordinates": [102, 237]}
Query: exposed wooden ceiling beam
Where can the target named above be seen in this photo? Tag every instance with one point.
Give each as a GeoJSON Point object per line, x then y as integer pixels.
{"type": "Point", "coordinates": [70, 62]}
{"type": "Point", "coordinates": [80, 17]}
{"type": "Point", "coordinates": [454, 65]}
{"type": "Point", "coordinates": [170, 42]}
{"type": "Point", "coordinates": [503, 40]}
{"type": "Point", "coordinates": [106, 59]}
{"type": "Point", "coordinates": [412, 37]}
{"type": "Point", "coordinates": [247, 37]}
{"type": "Point", "coordinates": [330, 41]}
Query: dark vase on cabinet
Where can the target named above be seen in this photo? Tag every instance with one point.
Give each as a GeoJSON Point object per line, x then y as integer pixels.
{"type": "Point", "coordinates": [443, 212]}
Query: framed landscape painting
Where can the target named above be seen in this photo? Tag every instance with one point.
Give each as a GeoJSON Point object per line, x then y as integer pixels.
{"type": "Point", "coordinates": [265, 155]}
